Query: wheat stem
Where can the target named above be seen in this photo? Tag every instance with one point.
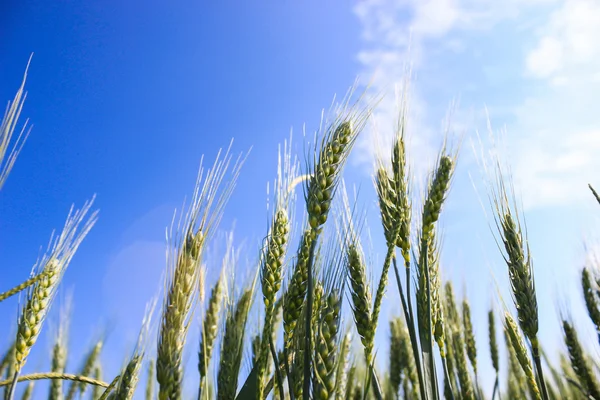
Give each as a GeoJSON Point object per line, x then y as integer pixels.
{"type": "Point", "coordinates": [53, 375]}
{"type": "Point", "coordinates": [406, 308]}
{"type": "Point", "coordinates": [109, 392]}
{"type": "Point", "coordinates": [29, 282]}
{"type": "Point", "coordinates": [150, 381]}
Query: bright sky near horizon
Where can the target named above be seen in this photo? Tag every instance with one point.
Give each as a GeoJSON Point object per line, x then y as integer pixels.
{"type": "Point", "coordinates": [126, 97]}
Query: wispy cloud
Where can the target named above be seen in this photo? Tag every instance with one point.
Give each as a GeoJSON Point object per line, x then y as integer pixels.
{"type": "Point", "coordinates": [535, 63]}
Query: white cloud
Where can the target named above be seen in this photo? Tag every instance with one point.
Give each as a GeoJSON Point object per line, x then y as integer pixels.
{"type": "Point", "coordinates": [568, 47]}
{"type": "Point", "coordinates": [535, 63]}
{"type": "Point", "coordinates": [546, 58]}
{"type": "Point", "coordinates": [416, 31]}
{"type": "Point", "coordinates": [547, 74]}
{"type": "Point", "coordinates": [558, 130]}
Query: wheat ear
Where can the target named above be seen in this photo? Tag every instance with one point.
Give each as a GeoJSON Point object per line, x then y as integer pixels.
{"type": "Point", "coordinates": [591, 299]}
{"type": "Point", "coordinates": [41, 295]}
{"type": "Point", "coordinates": [86, 370]}
{"type": "Point", "coordinates": [28, 392]}
{"type": "Point", "coordinates": [210, 327]}
{"type": "Point", "coordinates": [97, 390]}
{"type": "Point", "coordinates": [7, 131]}
{"type": "Point", "coordinates": [396, 360]}
{"type": "Point", "coordinates": [493, 350]}
{"type": "Point", "coordinates": [469, 336]}
{"type": "Point", "coordinates": [22, 286]}
{"type": "Point", "coordinates": [232, 346]}
{"type": "Point", "coordinates": [361, 298]}
{"type": "Point", "coordinates": [326, 344]}
{"type": "Point", "coordinates": [129, 376]}
{"type": "Point", "coordinates": [579, 362]}
{"type": "Point", "coordinates": [271, 283]}
{"type": "Point", "coordinates": [326, 171]}
{"type": "Point", "coordinates": [521, 353]}
{"type": "Point", "coordinates": [517, 256]}
{"type": "Point", "coordinates": [394, 195]}
{"type": "Point", "coordinates": [184, 271]}
{"type": "Point", "coordinates": [7, 361]}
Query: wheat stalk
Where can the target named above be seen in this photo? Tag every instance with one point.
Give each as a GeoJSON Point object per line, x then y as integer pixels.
{"type": "Point", "coordinates": [86, 370]}
{"type": "Point", "coordinates": [521, 353]}
{"type": "Point", "coordinates": [41, 295]}
{"type": "Point", "coordinates": [232, 346]}
{"type": "Point", "coordinates": [183, 278]}
{"type": "Point", "coordinates": [109, 391]}
{"type": "Point", "coordinates": [361, 298]}
{"type": "Point", "coordinates": [7, 361]}
{"type": "Point", "coordinates": [469, 336]}
{"type": "Point", "coordinates": [129, 376]}
{"type": "Point", "coordinates": [271, 283]}
{"type": "Point", "coordinates": [579, 363]}
{"type": "Point", "coordinates": [22, 286]}
{"type": "Point", "coordinates": [596, 196]}
{"type": "Point", "coordinates": [51, 375]}
{"type": "Point", "coordinates": [396, 356]}
{"type": "Point", "coordinates": [296, 292]}
{"type": "Point", "coordinates": [464, 379]}
{"type": "Point", "coordinates": [517, 256]}
{"type": "Point", "coordinates": [395, 206]}
{"type": "Point", "coordinates": [591, 299]}
{"type": "Point", "coordinates": [493, 350]}
{"type": "Point", "coordinates": [336, 144]}
{"type": "Point", "coordinates": [341, 375]}
{"type": "Point", "coordinates": [452, 322]}
{"type": "Point", "coordinates": [59, 351]}
{"type": "Point", "coordinates": [210, 327]}
{"type": "Point", "coordinates": [517, 384]}
{"type": "Point", "coordinates": [326, 346]}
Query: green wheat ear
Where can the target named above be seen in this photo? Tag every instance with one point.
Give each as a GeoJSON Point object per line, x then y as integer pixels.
{"type": "Point", "coordinates": [129, 377]}
{"type": "Point", "coordinates": [396, 357]}
{"type": "Point", "coordinates": [580, 364]}
{"type": "Point", "coordinates": [89, 364]}
{"type": "Point", "coordinates": [521, 354]}
{"type": "Point", "coordinates": [492, 341]}
{"type": "Point", "coordinates": [591, 298]}
{"type": "Point", "coordinates": [469, 336]}
{"type": "Point", "coordinates": [184, 270]}
{"type": "Point", "coordinates": [326, 346]}
{"type": "Point", "coordinates": [41, 294]}
{"type": "Point", "coordinates": [233, 346]}
{"type": "Point", "coordinates": [272, 258]}
{"type": "Point", "coordinates": [210, 327]}
{"type": "Point", "coordinates": [361, 298]}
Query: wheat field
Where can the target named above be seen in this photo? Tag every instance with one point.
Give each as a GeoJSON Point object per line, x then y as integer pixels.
{"type": "Point", "coordinates": [316, 293]}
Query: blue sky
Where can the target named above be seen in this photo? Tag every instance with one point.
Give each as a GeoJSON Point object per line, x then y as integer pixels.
{"type": "Point", "coordinates": [125, 98]}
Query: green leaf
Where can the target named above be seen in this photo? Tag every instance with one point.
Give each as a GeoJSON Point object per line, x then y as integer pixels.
{"type": "Point", "coordinates": [249, 390]}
